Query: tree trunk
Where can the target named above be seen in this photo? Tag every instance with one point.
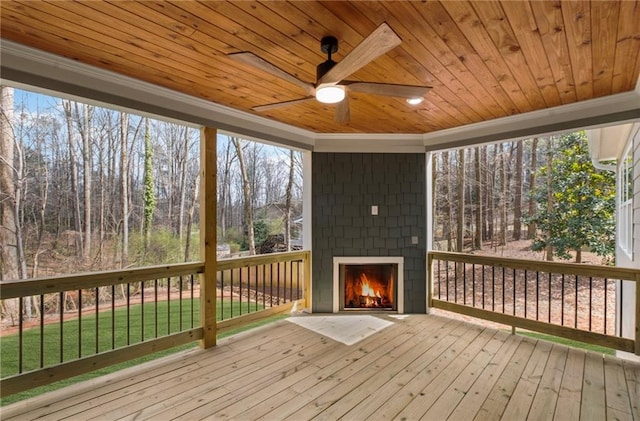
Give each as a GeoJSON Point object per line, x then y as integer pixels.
{"type": "Point", "coordinates": [192, 207]}
{"type": "Point", "coordinates": [124, 186]}
{"type": "Point", "coordinates": [531, 227]}
{"type": "Point", "coordinates": [9, 262]}
{"type": "Point", "coordinates": [74, 179]}
{"type": "Point", "coordinates": [183, 184]}
{"type": "Point", "coordinates": [448, 220]}
{"type": "Point", "coordinates": [478, 198]}
{"type": "Point", "coordinates": [246, 190]}
{"type": "Point", "coordinates": [490, 173]}
{"type": "Point", "coordinates": [549, 248]}
{"type": "Point", "coordinates": [85, 130]}
{"type": "Point", "coordinates": [517, 199]}
{"type": "Point", "coordinates": [460, 191]}
{"type": "Point", "coordinates": [287, 210]}
{"type": "Point", "coordinates": [149, 192]}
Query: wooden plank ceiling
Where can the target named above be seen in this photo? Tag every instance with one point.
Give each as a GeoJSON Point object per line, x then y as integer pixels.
{"type": "Point", "coordinates": [484, 60]}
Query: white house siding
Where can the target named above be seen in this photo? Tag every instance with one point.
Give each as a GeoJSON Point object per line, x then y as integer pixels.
{"type": "Point", "coordinates": [626, 290]}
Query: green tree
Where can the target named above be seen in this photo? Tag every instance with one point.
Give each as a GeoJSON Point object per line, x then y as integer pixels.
{"type": "Point", "coordinates": [583, 202]}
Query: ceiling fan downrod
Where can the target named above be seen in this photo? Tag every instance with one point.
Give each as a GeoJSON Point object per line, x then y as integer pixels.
{"type": "Point", "coordinates": [328, 45]}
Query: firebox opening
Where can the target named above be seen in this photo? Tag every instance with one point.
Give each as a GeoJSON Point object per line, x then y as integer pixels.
{"type": "Point", "coordinates": [368, 286]}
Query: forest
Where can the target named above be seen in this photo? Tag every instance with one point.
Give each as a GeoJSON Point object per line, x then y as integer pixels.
{"type": "Point", "coordinates": [544, 190]}
{"type": "Point", "coordinates": [88, 188]}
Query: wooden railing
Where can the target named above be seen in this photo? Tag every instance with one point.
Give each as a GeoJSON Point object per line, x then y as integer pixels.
{"type": "Point", "coordinates": [251, 288]}
{"type": "Point", "coordinates": [575, 301]}
{"type": "Point", "coordinates": [70, 325]}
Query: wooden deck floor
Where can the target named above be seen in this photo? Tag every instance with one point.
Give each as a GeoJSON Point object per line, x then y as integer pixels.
{"type": "Point", "coordinates": [420, 367]}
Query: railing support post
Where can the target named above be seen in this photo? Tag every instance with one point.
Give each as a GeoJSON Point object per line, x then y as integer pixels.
{"type": "Point", "coordinates": [208, 246]}
{"type": "Point", "coordinates": [307, 281]}
{"type": "Point", "coordinates": [429, 282]}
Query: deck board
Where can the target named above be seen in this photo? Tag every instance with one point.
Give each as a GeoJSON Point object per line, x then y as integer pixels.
{"type": "Point", "coordinates": [423, 366]}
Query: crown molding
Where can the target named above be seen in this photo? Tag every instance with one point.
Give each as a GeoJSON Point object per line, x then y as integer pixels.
{"type": "Point", "coordinates": [599, 112]}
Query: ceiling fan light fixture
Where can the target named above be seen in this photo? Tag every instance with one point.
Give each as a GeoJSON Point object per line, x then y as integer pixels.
{"type": "Point", "coordinates": [330, 94]}
{"type": "Point", "coordinates": [415, 101]}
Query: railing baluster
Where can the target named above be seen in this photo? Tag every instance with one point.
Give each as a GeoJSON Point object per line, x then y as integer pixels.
{"type": "Point", "coordinates": [264, 286]}
{"type": "Point", "coordinates": [80, 323]}
{"type": "Point", "coordinates": [575, 325]}
{"type": "Point", "coordinates": [447, 285]}
{"type": "Point", "coordinates": [590, 302]}
{"type": "Point", "coordinates": [142, 311]}
{"type": "Point", "coordinates": [155, 305]}
{"type": "Point", "coordinates": [61, 300]}
{"type": "Point", "coordinates": [439, 281]}
{"type": "Point", "coordinates": [525, 294]}
{"type": "Point", "coordinates": [605, 305]}
{"type": "Point", "coordinates": [41, 330]}
{"type": "Point", "coordinates": [537, 295]}
{"type": "Point", "coordinates": [278, 280]}
{"type": "Point", "coordinates": [97, 317]}
{"type": "Point", "coordinates": [128, 313]}
{"type": "Point", "coordinates": [503, 289]}
{"type": "Point", "coordinates": [221, 310]}
{"type": "Point", "coordinates": [483, 294]}
{"type": "Point", "coordinates": [493, 288]}
{"type": "Point", "coordinates": [550, 296]}
{"type": "Point", "coordinates": [168, 306]}
{"type": "Point", "coordinates": [20, 333]}
{"type": "Point", "coordinates": [113, 316]}
{"type": "Point", "coordinates": [514, 292]}
{"type": "Point", "coordinates": [180, 300]}
{"type": "Point", "coordinates": [455, 282]}
{"type": "Point", "coordinates": [191, 291]}
{"type": "Point", "coordinates": [473, 284]}
{"type": "Point", "coordinates": [562, 302]}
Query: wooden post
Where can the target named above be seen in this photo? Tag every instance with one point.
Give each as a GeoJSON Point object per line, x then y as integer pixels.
{"type": "Point", "coordinates": [429, 282]}
{"type": "Point", "coordinates": [208, 244]}
{"type": "Point", "coordinates": [307, 281]}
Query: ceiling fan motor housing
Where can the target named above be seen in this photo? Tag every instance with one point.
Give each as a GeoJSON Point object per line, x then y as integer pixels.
{"type": "Point", "coordinates": [328, 45]}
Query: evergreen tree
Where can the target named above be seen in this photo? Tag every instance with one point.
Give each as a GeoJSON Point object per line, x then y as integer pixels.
{"type": "Point", "coordinates": [583, 208]}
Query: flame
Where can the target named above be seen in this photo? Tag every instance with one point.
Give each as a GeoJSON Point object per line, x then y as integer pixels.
{"type": "Point", "coordinates": [367, 290]}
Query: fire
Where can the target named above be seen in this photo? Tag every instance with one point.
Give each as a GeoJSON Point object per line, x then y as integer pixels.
{"type": "Point", "coordinates": [367, 290]}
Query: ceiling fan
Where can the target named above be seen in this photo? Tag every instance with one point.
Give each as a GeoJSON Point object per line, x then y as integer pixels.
{"type": "Point", "coordinates": [330, 86]}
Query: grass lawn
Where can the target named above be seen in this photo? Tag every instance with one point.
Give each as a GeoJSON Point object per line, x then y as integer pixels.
{"type": "Point", "coordinates": [74, 343]}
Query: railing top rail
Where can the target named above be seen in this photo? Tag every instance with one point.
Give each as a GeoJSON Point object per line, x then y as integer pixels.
{"type": "Point", "coordinates": [52, 284]}
{"type": "Point", "coordinates": [261, 259]}
{"type": "Point", "coordinates": [580, 269]}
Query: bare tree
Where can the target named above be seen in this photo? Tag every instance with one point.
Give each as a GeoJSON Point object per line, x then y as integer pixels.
{"type": "Point", "coordinates": [502, 239]}
{"type": "Point", "coordinates": [460, 185]}
{"type": "Point", "coordinates": [517, 199]}
{"type": "Point", "coordinates": [288, 194]}
{"type": "Point", "coordinates": [84, 125]}
{"type": "Point", "coordinates": [124, 185]}
{"type": "Point", "coordinates": [478, 197]}
{"type": "Point", "coordinates": [246, 189]}
{"type": "Point", "coordinates": [531, 227]}
{"type": "Point", "coordinates": [75, 194]}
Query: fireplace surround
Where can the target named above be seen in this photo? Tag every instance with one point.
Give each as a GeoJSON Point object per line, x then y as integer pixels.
{"type": "Point", "coordinates": [368, 283]}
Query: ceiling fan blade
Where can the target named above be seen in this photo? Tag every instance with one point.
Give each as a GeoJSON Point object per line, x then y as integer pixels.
{"type": "Point", "coordinates": [343, 114]}
{"type": "Point", "coordinates": [255, 61]}
{"type": "Point", "coordinates": [268, 107]}
{"type": "Point", "coordinates": [388, 89]}
{"type": "Point", "coordinates": [380, 41]}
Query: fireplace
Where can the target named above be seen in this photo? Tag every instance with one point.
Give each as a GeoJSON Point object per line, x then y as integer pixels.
{"type": "Point", "coordinates": [368, 284]}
